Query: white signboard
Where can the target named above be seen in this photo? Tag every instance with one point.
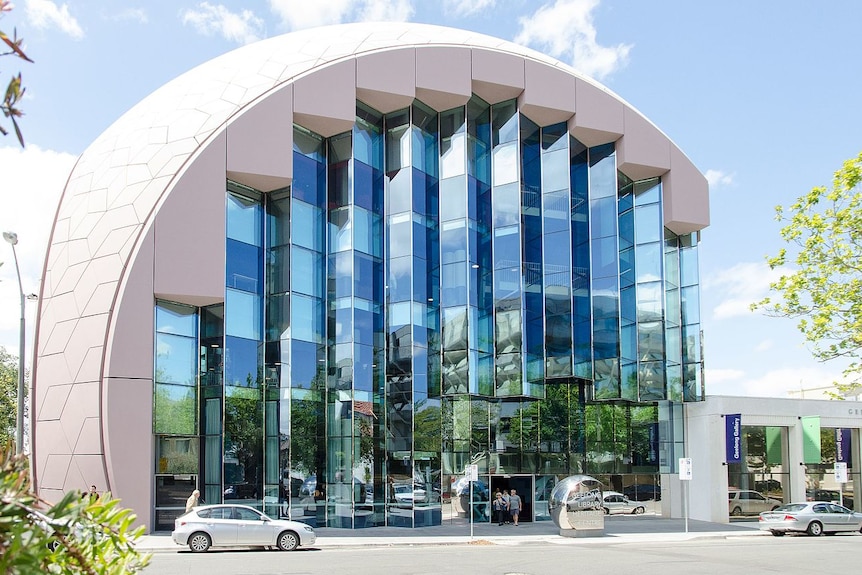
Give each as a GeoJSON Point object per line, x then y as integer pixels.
{"type": "Point", "coordinates": [685, 468]}
{"type": "Point", "coordinates": [840, 472]}
{"type": "Point", "coordinates": [471, 472]}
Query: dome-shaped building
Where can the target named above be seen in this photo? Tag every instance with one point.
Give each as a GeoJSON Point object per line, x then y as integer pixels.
{"type": "Point", "coordinates": [322, 273]}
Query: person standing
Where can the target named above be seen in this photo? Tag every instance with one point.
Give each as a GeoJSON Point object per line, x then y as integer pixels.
{"type": "Point", "coordinates": [192, 501]}
{"type": "Point", "coordinates": [507, 517]}
{"type": "Point", "coordinates": [514, 506]}
{"type": "Point", "coordinates": [499, 508]}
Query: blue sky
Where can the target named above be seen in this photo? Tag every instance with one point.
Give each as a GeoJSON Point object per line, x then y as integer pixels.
{"type": "Point", "coordinates": [762, 96]}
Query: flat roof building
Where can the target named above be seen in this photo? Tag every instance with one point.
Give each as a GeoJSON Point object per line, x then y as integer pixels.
{"type": "Point", "coordinates": [324, 272]}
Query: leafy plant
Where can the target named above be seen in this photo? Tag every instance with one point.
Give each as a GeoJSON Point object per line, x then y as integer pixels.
{"type": "Point", "coordinates": [15, 89]}
{"type": "Point", "coordinates": [75, 535]}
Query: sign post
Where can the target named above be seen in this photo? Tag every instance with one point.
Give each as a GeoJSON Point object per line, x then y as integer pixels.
{"type": "Point", "coordinates": [471, 472]}
{"type": "Point", "coordinates": [840, 478]}
{"type": "Point", "coordinates": [685, 477]}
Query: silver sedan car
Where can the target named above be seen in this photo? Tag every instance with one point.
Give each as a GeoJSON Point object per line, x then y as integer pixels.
{"type": "Point", "coordinates": [238, 526]}
{"type": "Point", "coordinates": [812, 517]}
{"type": "Point", "coordinates": [615, 502]}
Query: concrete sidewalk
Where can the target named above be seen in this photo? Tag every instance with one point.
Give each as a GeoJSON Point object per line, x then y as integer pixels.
{"type": "Point", "coordinates": [618, 529]}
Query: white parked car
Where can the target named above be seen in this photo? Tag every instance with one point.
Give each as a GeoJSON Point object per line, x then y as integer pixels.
{"type": "Point", "coordinates": [238, 526]}
{"type": "Point", "coordinates": [812, 517]}
{"type": "Point", "coordinates": [614, 502]}
{"type": "Point", "coordinates": [747, 502]}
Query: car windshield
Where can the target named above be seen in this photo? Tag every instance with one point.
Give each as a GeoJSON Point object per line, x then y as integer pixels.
{"type": "Point", "coordinates": [791, 507]}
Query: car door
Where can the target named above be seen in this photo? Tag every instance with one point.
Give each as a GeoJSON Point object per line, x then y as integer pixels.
{"type": "Point", "coordinates": [251, 528]}
{"type": "Point", "coordinates": [218, 524]}
{"type": "Point", "coordinates": [841, 518]}
{"type": "Point", "coordinates": [753, 502]}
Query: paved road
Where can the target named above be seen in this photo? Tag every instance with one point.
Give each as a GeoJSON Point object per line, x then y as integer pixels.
{"type": "Point", "coordinates": [709, 554]}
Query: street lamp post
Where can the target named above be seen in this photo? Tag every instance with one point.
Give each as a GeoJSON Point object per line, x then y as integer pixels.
{"type": "Point", "coordinates": [12, 239]}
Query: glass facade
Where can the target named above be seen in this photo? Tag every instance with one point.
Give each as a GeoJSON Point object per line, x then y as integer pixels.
{"type": "Point", "coordinates": [433, 290]}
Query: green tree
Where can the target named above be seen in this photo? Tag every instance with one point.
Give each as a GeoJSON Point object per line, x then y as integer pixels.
{"type": "Point", "coordinates": [8, 395]}
{"type": "Point", "coordinates": [73, 536]}
{"type": "Point", "coordinates": [14, 89]}
{"type": "Point", "coordinates": [824, 227]}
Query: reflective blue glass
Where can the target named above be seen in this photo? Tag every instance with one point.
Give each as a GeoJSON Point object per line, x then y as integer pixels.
{"type": "Point", "coordinates": [307, 226]}
{"type": "Point", "coordinates": [505, 164]}
{"type": "Point", "coordinates": [556, 212]}
{"type": "Point", "coordinates": [241, 361]}
{"type": "Point", "coordinates": [307, 272]}
{"type": "Point", "coordinates": [454, 287]}
{"type": "Point", "coordinates": [399, 286]}
{"type": "Point", "coordinates": [363, 276]}
{"type": "Point", "coordinates": [604, 218]}
{"type": "Point", "coordinates": [603, 172]}
{"type": "Point", "coordinates": [244, 266]}
{"type": "Point", "coordinates": [690, 300]}
{"type": "Point", "coordinates": [341, 323]}
{"type": "Point", "coordinates": [506, 205]}
{"type": "Point", "coordinates": [650, 302]}
{"type": "Point", "coordinates": [277, 317]}
{"type": "Point", "coordinates": [307, 318]}
{"type": "Point", "coordinates": [648, 223]}
{"type": "Point", "coordinates": [604, 260]}
{"type": "Point", "coordinates": [176, 319]}
{"type": "Point", "coordinates": [244, 219]}
{"type": "Point", "coordinates": [649, 259]}
{"type": "Point", "coordinates": [242, 314]}
{"type": "Point", "coordinates": [627, 267]}
{"type": "Point", "coordinates": [340, 281]}
{"type": "Point", "coordinates": [688, 266]}
{"type": "Point", "coordinates": [399, 235]}
{"type": "Point", "coordinates": [176, 359]}
{"type": "Point", "coordinates": [555, 170]}
{"type": "Point", "coordinates": [453, 241]}
{"type": "Point", "coordinates": [309, 180]}
{"type": "Point", "coordinates": [453, 201]}
{"type": "Point", "coordinates": [507, 248]}
{"type": "Point", "coordinates": [307, 363]}
{"type": "Point", "coordinates": [340, 230]}
{"type": "Point", "coordinates": [650, 341]}
{"type": "Point", "coordinates": [363, 323]}
{"type": "Point", "coordinates": [504, 122]}
{"type": "Point", "coordinates": [647, 191]}
{"type": "Point", "coordinates": [627, 229]}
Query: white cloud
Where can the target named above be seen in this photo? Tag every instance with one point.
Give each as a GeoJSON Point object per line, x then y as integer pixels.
{"type": "Point", "coordinates": [130, 14]}
{"type": "Point", "coordinates": [764, 345]}
{"type": "Point", "coordinates": [208, 19]}
{"type": "Point", "coordinates": [717, 178]}
{"type": "Point", "coordinates": [33, 180]}
{"type": "Point", "coordinates": [565, 29]}
{"type": "Point", "coordinates": [299, 14]}
{"type": "Point", "coordinates": [462, 8]}
{"type": "Point", "coordinates": [44, 14]}
{"type": "Point", "coordinates": [718, 375]}
{"type": "Point", "coordinates": [741, 285]}
{"type": "Point", "coordinates": [807, 382]}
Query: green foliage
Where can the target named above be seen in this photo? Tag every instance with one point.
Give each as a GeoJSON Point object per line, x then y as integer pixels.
{"type": "Point", "coordinates": [73, 536]}
{"type": "Point", "coordinates": [15, 89]}
{"type": "Point", "coordinates": [825, 291]}
{"type": "Point", "coordinates": [8, 395]}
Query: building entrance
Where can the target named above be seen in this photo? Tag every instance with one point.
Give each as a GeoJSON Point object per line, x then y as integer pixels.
{"type": "Point", "coordinates": [523, 486]}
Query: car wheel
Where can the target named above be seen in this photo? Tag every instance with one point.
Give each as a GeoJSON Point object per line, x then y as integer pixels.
{"type": "Point", "coordinates": [737, 511]}
{"type": "Point", "coordinates": [638, 510]}
{"type": "Point", "coordinates": [778, 533]}
{"type": "Point", "coordinates": [607, 511]}
{"type": "Point", "coordinates": [815, 529]}
{"type": "Point", "coordinates": [288, 541]}
{"type": "Point", "coordinates": [199, 542]}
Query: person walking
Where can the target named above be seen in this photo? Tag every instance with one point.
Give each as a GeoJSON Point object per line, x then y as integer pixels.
{"type": "Point", "coordinates": [192, 501]}
{"type": "Point", "coordinates": [499, 508]}
{"type": "Point", "coordinates": [514, 506]}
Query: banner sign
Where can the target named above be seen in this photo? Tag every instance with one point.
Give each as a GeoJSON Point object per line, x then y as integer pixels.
{"type": "Point", "coordinates": [811, 439]}
{"type": "Point", "coordinates": [652, 456]}
{"type": "Point", "coordinates": [842, 445]}
{"type": "Point", "coordinates": [733, 437]}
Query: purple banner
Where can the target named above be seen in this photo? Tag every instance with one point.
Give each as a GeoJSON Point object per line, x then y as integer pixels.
{"type": "Point", "coordinates": [842, 445]}
{"type": "Point", "coordinates": [733, 437]}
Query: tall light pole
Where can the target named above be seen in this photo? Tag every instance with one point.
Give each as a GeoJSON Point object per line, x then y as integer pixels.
{"type": "Point", "coordinates": [12, 239]}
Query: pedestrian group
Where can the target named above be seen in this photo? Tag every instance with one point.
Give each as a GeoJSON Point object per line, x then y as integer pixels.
{"type": "Point", "coordinates": [507, 507]}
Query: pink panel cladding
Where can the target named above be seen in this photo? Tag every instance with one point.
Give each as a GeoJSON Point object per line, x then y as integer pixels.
{"type": "Point", "coordinates": [443, 76]}
{"type": "Point", "coordinates": [378, 87]}
{"type": "Point", "coordinates": [598, 115]}
{"type": "Point", "coordinates": [549, 93]}
{"type": "Point", "coordinates": [325, 102]}
{"type": "Point", "coordinates": [260, 143]}
{"type": "Point", "coordinates": [685, 196]}
{"type": "Point", "coordinates": [497, 76]}
{"type": "Point", "coordinates": [189, 259]}
{"type": "Point", "coordinates": [643, 152]}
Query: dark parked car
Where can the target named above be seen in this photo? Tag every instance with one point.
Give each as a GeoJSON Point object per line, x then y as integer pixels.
{"type": "Point", "coordinates": [830, 495]}
{"type": "Point", "coordinates": [643, 492]}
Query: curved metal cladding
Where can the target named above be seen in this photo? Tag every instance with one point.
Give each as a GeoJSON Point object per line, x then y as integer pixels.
{"type": "Point", "coordinates": [143, 213]}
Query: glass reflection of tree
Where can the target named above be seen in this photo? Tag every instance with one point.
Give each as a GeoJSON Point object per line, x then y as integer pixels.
{"type": "Point", "coordinates": [244, 427]}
